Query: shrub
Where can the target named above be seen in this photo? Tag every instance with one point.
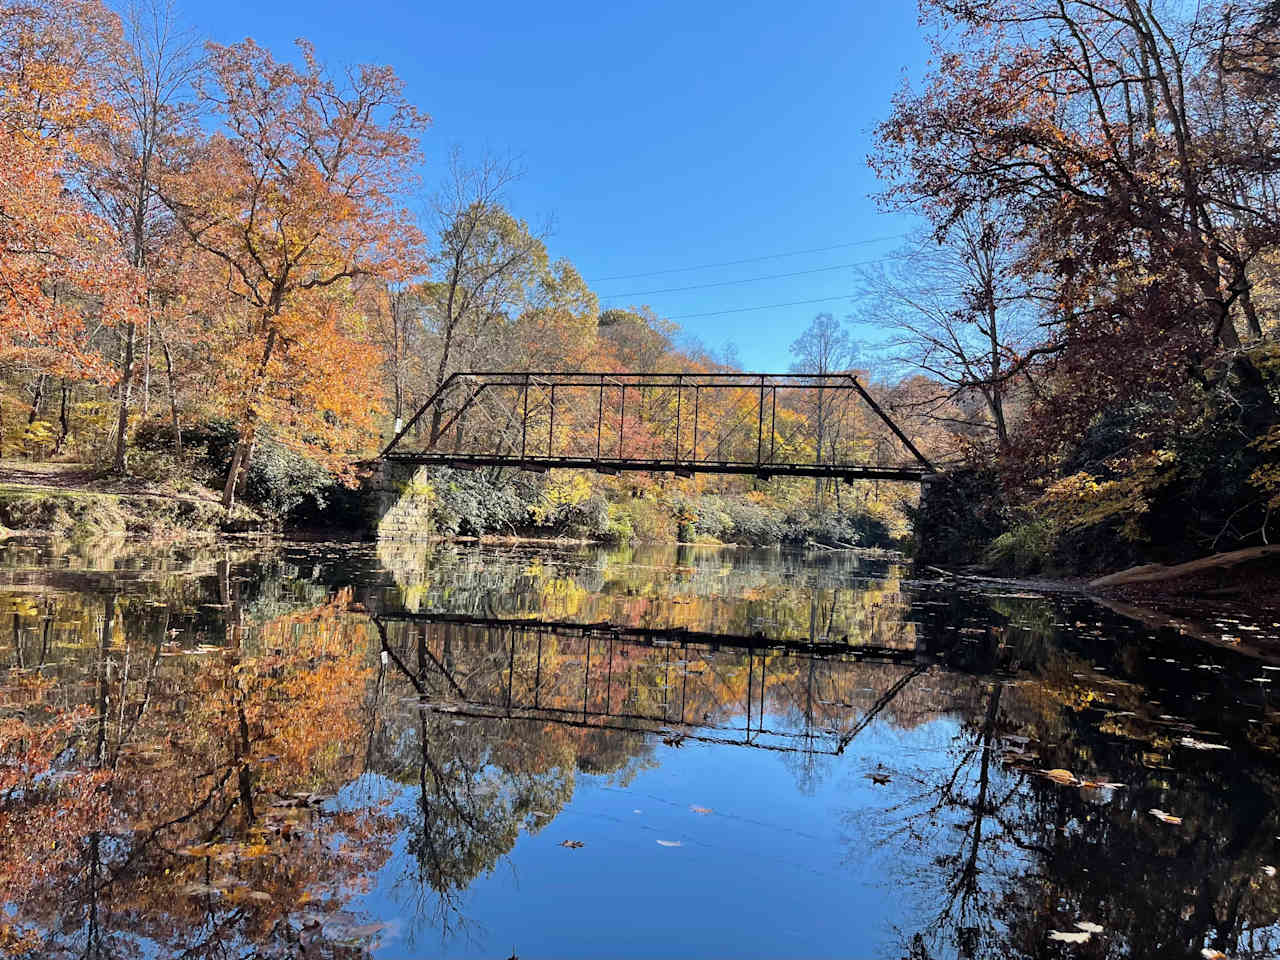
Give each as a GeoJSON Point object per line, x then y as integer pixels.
{"type": "Point", "coordinates": [1026, 548]}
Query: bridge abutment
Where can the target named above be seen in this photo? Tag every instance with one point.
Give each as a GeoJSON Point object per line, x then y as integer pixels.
{"type": "Point", "coordinates": [399, 502]}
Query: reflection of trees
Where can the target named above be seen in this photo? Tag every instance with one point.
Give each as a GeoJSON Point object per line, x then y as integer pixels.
{"type": "Point", "coordinates": [1013, 855]}
{"type": "Point", "coordinates": [474, 785]}
{"type": "Point", "coordinates": [196, 840]}
{"type": "Point", "coordinates": [779, 595]}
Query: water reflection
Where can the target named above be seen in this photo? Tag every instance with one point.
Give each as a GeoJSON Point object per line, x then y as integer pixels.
{"type": "Point", "coordinates": [329, 751]}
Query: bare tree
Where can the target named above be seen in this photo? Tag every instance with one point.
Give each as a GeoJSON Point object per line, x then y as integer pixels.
{"type": "Point", "coordinates": [960, 316]}
{"type": "Point", "coordinates": [824, 348]}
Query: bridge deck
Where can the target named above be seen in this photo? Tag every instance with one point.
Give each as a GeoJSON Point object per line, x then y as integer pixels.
{"type": "Point", "coordinates": [475, 461]}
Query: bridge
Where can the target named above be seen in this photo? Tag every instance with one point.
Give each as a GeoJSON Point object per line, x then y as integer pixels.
{"type": "Point", "coordinates": [754, 424]}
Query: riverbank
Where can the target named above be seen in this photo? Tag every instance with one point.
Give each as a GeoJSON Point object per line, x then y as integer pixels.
{"type": "Point", "coordinates": [1228, 599]}
{"type": "Point", "coordinates": [70, 501]}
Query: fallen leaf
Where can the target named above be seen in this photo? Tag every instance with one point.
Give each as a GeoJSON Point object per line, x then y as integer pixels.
{"type": "Point", "coordinates": [572, 844]}
{"type": "Point", "coordinates": [697, 809]}
{"type": "Point", "coordinates": [200, 889]}
{"type": "Point", "coordinates": [668, 843]}
{"type": "Point", "coordinates": [1211, 954]}
{"type": "Point", "coordinates": [1269, 870]}
{"type": "Point", "coordinates": [1088, 926]}
{"type": "Point", "coordinates": [1193, 744]}
{"type": "Point", "coordinates": [1074, 936]}
{"type": "Point", "coordinates": [1064, 777]}
{"type": "Point", "coordinates": [1165, 817]}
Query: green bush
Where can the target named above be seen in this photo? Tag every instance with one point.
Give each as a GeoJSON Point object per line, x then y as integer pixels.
{"type": "Point", "coordinates": [1026, 548]}
{"type": "Point", "coordinates": [282, 483]}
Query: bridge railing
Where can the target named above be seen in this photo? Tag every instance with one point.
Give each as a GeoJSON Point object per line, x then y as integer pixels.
{"type": "Point", "coordinates": [802, 424]}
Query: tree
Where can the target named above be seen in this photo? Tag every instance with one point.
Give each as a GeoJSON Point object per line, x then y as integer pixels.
{"type": "Point", "coordinates": [1097, 130]}
{"type": "Point", "coordinates": [960, 314]}
{"type": "Point", "coordinates": [484, 266]}
{"type": "Point", "coordinates": [292, 199]}
{"type": "Point", "coordinates": [147, 71]}
{"type": "Point", "coordinates": [824, 348]}
{"type": "Point", "coordinates": [63, 277]}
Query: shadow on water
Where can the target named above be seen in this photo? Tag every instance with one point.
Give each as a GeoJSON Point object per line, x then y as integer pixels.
{"type": "Point", "coordinates": [330, 751]}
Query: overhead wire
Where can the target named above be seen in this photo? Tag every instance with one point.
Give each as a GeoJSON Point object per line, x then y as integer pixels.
{"type": "Point", "coordinates": [733, 263]}
{"type": "Point", "coordinates": [772, 276]}
{"type": "Point", "coordinates": [763, 306]}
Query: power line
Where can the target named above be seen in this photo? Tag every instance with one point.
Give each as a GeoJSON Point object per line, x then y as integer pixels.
{"type": "Point", "coordinates": [766, 306]}
{"type": "Point", "coordinates": [732, 263]}
{"type": "Point", "coordinates": [730, 283]}
{"type": "Point", "coordinates": [774, 276]}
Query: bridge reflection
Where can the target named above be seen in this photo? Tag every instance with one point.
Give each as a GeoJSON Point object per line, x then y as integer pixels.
{"type": "Point", "coordinates": [750, 691]}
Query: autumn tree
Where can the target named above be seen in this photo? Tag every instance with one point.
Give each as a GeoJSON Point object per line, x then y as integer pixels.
{"type": "Point", "coordinates": [148, 71]}
{"type": "Point", "coordinates": [63, 275]}
{"type": "Point", "coordinates": [292, 199]}
{"type": "Point", "coordinates": [485, 263]}
{"type": "Point", "coordinates": [1091, 126]}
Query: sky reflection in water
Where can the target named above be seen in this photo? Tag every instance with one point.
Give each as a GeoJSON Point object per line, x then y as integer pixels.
{"type": "Point", "coordinates": [329, 751]}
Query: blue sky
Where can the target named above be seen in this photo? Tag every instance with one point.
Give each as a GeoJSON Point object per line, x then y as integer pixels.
{"type": "Point", "coordinates": [658, 135]}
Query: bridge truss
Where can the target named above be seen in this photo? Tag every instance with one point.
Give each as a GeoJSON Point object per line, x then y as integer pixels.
{"type": "Point", "coordinates": [763, 425]}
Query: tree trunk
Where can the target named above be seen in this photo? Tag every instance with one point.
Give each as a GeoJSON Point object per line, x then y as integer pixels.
{"type": "Point", "coordinates": [1250, 312]}
{"type": "Point", "coordinates": [146, 373]}
{"type": "Point", "coordinates": [121, 464]}
{"type": "Point", "coordinates": [173, 394]}
{"type": "Point", "coordinates": [64, 425]}
{"type": "Point", "coordinates": [37, 397]}
{"type": "Point", "coordinates": [244, 445]}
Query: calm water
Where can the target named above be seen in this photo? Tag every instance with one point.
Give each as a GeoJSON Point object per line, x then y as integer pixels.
{"type": "Point", "coordinates": [334, 751]}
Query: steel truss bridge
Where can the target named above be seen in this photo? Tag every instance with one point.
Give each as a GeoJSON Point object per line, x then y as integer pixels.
{"type": "Point", "coordinates": [754, 424]}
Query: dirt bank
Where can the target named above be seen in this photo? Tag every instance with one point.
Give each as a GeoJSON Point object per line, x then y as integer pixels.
{"type": "Point", "coordinates": [70, 501]}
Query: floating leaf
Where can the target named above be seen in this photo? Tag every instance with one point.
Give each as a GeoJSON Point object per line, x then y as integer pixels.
{"type": "Point", "coordinates": [1088, 926]}
{"type": "Point", "coordinates": [572, 844]}
{"type": "Point", "coordinates": [1165, 817]}
{"type": "Point", "coordinates": [669, 843]}
{"type": "Point", "coordinates": [200, 889]}
{"type": "Point", "coordinates": [1064, 777]}
{"type": "Point", "coordinates": [697, 809]}
{"type": "Point", "coordinates": [1269, 870]}
{"type": "Point", "coordinates": [1193, 744]}
{"type": "Point", "coordinates": [1101, 784]}
{"type": "Point", "coordinates": [1211, 954]}
{"type": "Point", "coordinates": [1072, 936]}
{"type": "Point", "coordinates": [879, 779]}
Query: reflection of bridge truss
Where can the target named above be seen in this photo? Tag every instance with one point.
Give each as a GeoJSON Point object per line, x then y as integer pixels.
{"type": "Point", "coordinates": [764, 425]}
{"type": "Point", "coordinates": [710, 688]}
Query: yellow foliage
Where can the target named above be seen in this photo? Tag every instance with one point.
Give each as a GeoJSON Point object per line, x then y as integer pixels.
{"type": "Point", "coordinates": [1084, 500]}
{"type": "Point", "coordinates": [563, 489]}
